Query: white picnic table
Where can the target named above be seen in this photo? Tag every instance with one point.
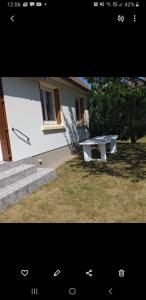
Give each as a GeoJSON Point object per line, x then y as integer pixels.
{"type": "Point", "coordinates": [101, 141]}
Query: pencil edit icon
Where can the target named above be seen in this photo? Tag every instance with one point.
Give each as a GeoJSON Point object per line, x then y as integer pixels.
{"type": "Point", "coordinates": [56, 273]}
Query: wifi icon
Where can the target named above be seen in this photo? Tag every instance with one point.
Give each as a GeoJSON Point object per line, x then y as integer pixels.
{"type": "Point", "coordinates": [108, 4]}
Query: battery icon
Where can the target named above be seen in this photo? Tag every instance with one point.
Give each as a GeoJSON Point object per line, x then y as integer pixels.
{"type": "Point", "coordinates": [121, 273]}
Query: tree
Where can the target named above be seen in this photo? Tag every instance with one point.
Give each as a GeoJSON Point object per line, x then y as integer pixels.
{"type": "Point", "coordinates": [117, 108]}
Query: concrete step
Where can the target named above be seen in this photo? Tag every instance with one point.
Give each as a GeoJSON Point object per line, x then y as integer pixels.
{"type": "Point", "coordinates": [5, 165]}
{"type": "Point", "coordinates": [19, 189]}
{"type": "Point", "coordinates": [13, 174]}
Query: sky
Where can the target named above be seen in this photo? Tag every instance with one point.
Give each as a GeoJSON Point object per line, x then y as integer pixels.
{"type": "Point", "coordinates": [82, 78]}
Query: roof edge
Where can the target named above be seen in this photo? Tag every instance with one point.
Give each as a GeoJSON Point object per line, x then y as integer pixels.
{"type": "Point", "coordinates": [77, 82]}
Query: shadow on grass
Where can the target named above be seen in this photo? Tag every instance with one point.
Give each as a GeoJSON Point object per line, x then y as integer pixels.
{"type": "Point", "coordinates": [128, 162]}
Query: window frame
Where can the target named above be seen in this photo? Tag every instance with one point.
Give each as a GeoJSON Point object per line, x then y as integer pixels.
{"type": "Point", "coordinates": [81, 119]}
{"type": "Point", "coordinates": [43, 91]}
{"type": "Point", "coordinates": [77, 113]}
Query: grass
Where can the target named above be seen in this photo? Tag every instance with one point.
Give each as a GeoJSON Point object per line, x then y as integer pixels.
{"type": "Point", "coordinates": [90, 192]}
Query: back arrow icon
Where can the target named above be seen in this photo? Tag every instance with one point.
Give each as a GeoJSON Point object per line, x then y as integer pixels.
{"type": "Point", "coordinates": [110, 291]}
{"type": "Point", "coordinates": [12, 18]}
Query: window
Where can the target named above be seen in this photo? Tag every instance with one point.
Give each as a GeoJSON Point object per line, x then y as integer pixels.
{"type": "Point", "coordinates": [77, 110]}
{"type": "Point", "coordinates": [50, 106]}
{"type": "Point", "coordinates": [79, 107]}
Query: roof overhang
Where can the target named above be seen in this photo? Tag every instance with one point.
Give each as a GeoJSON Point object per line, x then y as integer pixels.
{"type": "Point", "coordinates": [77, 82]}
{"type": "Point", "coordinates": [68, 81]}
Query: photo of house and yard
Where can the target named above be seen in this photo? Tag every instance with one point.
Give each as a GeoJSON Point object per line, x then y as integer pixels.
{"type": "Point", "coordinates": [72, 149]}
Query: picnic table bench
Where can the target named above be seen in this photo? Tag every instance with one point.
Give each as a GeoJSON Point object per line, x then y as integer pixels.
{"type": "Point", "coordinates": [101, 141]}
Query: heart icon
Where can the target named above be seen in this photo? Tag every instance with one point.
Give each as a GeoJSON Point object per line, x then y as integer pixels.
{"type": "Point", "coordinates": [24, 272]}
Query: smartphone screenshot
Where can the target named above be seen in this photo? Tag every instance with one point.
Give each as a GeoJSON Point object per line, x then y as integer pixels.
{"type": "Point", "coordinates": [72, 150]}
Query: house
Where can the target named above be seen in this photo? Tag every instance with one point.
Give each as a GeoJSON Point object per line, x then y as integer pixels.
{"type": "Point", "coordinates": [42, 117]}
{"type": "Point", "coordinates": [42, 120]}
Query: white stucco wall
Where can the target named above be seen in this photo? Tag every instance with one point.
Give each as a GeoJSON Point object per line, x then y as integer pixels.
{"type": "Point", "coordinates": [24, 112]}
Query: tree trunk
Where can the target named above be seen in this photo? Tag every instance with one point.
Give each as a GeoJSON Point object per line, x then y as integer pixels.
{"type": "Point", "coordinates": [133, 139]}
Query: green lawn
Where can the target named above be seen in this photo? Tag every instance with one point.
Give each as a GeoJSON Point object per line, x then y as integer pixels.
{"type": "Point", "coordinates": [90, 192]}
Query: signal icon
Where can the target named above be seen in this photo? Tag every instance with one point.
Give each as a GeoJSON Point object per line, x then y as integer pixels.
{"type": "Point", "coordinates": [108, 4]}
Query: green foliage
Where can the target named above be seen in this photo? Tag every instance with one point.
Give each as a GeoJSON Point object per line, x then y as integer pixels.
{"type": "Point", "coordinates": [116, 108]}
